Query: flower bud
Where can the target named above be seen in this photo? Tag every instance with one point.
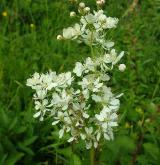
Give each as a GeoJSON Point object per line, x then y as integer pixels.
{"type": "Point", "coordinates": [4, 14]}
{"type": "Point", "coordinates": [59, 37]}
{"type": "Point", "coordinates": [82, 5]}
{"type": "Point", "coordinates": [32, 25]}
{"type": "Point", "coordinates": [87, 9]}
{"type": "Point", "coordinates": [122, 67]}
{"type": "Point", "coordinates": [72, 14]}
{"type": "Point", "coordinates": [100, 2]}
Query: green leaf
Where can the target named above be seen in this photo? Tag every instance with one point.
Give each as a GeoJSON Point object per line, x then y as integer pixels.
{"type": "Point", "coordinates": [75, 160]}
{"type": "Point", "coordinates": [66, 152]}
{"type": "Point", "coordinates": [152, 150]}
{"type": "Point", "coordinates": [29, 140]}
{"type": "Point", "coordinates": [11, 160]}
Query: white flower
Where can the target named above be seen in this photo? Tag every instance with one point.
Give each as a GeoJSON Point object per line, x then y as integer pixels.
{"type": "Point", "coordinates": [88, 144]}
{"type": "Point", "coordinates": [40, 94]}
{"type": "Point", "coordinates": [122, 67]}
{"type": "Point", "coordinates": [88, 19]}
{"type": "Point", "coordinates": [97, 85]}
{"type": "Point", "coordinates": [107, 119]}
{"type": "Point", "coordinates": [111, 22]}
{"type": "Point", "coordinates": [89, 65]}
{"type": "Point", "coordinates": [77, 31]}
{"type": "Point", "coordinates": [68, 33]}
{"type": "Point", "coordinates": [85, 93]}
{"type": "Point", "coordinates": [83, 136]}
{"type": "Point", "coordinates": [102, 18]}
{"type": "Point", "coordinates": [61, 100]}
{"type": "Point", "coordinates": [89, 131]}
{"type": "Point", "coordinates": [41, 107]}
{"type": "Point", "coordinates": [79, 68]}
{"type": "Point", "coordinates": [32, 82]}
{"type": "Point", "coordinates": [64, 80]}
{"type": "Point", "coordinates": [96, 98]}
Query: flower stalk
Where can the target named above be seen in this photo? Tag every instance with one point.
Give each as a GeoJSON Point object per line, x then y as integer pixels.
{"type": "Point", "coordinates": [92, 156]}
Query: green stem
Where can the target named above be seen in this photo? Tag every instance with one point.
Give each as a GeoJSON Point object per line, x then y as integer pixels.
{"type": "Point", "coordinates": [92, 155]}
{"type": "Point", "coordinates": [91, 46]}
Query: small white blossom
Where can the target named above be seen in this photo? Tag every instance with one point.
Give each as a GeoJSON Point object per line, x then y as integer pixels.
{"type": "Point", "coordinates": [79, 68]}
{"type": "Point", "coordinates": [122, 67]}
{"type": "Point", "coordinates": [68, 33]}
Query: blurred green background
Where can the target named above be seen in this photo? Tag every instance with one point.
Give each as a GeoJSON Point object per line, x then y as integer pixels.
{"type": "Point", "coordinates": [28, 30]}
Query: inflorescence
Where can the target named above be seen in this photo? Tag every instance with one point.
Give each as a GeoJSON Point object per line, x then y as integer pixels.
{"type": "Point", "coordinates": [80, 102]}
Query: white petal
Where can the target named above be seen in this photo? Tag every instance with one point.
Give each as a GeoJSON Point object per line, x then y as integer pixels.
{"type": "Point", "coordinates": [114, 102]}
{"type": "Point", "coordinates": [96, 98]}
{"type": "Point", "coordinates": [61, 132]}
{"type": "Point", "coordinates": [99, 117]}
{"type": "Point", "coordinates": [95, 144]}
{"type": "Point", "coordinates": [55, 122]}
{"type": "Point", "coordinates": [37, 114]}
{"type": "Point", "coordinates": [85, 115]}
{"type": "Point", "coordinates": [105, 125]}
{"type": "Point", "coordinates": [71, 139]}
{"type": "Point", "coordinates": [113, 124]}
{"type": "Point", "coordinates": [83, 137]}
{"type": "Point", "coordinates": [106, 136]}
{"type": "Point", "coordinates": [88, 145]}
{"type": "Point", "coordinates": [98, 136]}
{"type": "Point", "coordinates": [113, 116]}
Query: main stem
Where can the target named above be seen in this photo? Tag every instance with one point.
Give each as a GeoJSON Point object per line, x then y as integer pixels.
{"type": "Point", "coordinates": [92, 156]}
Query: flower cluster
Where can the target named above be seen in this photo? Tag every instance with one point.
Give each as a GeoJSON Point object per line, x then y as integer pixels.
{"type": "Point", "coordinates": [80, 102]}
{"type": "Point", "coordinates": [92, 28]}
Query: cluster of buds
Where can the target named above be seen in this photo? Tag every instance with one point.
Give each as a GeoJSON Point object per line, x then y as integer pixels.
{"type": "Point", "coordinates": [100, 2]}
{"type": "Point", "coordinates": [80, 102]}
{"type": "Point", "coordinates": [83, 9]}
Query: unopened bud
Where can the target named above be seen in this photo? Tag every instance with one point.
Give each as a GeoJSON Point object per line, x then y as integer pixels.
{"type": "Point", "coordinates": [87, 9]}
{"type": "Point", "coordinates": [82, 5]}
{"type": "Point", "coordinates": [72, 14]}
{"type": "Point", "coordinates": [122, 67]}
{"type": "Point", "coordinates": [59, 37]}
{"type": "Point", "coordinates": [100, 2]}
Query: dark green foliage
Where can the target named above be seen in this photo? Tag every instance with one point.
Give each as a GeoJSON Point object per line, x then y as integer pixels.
{"type": "Point", "coordinates": [28, 44]}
